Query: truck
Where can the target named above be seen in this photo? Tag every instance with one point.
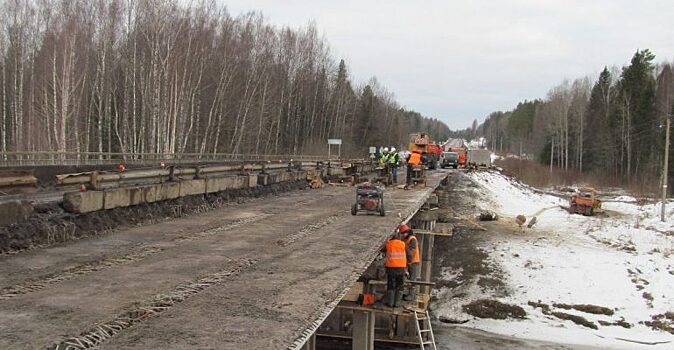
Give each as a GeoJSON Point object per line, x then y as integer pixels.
{"type": "Point", "coordinates": [462, 154]}
{"type": "Point", "coordinates": [479, 158]}
{"type": "Point", "coordinates": [457, 146]}
{"type": "Point", "coordinates": [450, 159]}
{"type": "Point", "coordinates": [431, 152]}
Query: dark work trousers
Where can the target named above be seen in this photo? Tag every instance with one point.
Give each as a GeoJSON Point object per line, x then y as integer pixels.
{"type": "Point", "coordinates": [409, 175]}
{"type": "Point", "coordinates": [395, 277]}
{"type": "Point", "coordinates": [415, 273]}
{"type": "Point", "coordinates": [394, 172]}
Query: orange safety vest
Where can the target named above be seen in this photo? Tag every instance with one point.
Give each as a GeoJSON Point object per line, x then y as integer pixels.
{"type": "Point", "coordinates": [415, 159]}
{"type": "Point", "coordinates": [395, 253]}
{"type": "Point", "coordinates": [415, 257]}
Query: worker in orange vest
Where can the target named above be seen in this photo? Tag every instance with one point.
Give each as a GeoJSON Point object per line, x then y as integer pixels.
{"type": "Point", "coordinates": [396, 268]}
{"type": "Point", "coordinates": [413, 159]}
{"type": "Point", "coordinates": [414, 262]}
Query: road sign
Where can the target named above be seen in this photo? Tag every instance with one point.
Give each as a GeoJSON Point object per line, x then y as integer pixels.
{"type": "Point", "coordinates": [337, 142]}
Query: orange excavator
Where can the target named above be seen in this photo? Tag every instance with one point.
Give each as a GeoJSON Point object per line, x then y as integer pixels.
{"type": "Point", "coordinates": [420, 141]}
{"type": "Point", "coordinates": [584, 202]}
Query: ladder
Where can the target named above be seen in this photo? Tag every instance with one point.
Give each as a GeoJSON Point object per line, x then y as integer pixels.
{"type": "Point", "coordinates": [424, 330]}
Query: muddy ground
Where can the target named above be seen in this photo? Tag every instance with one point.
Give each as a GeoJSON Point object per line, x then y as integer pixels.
{"type": "Point", "coordinates": [463, 252]}
{"type": "Point", "coordinates": [51, 224]}
{"type": "Point", "coordinates": [462, 268]}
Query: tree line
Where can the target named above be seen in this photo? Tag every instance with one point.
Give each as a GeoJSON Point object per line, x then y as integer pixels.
{"type": "Point", "coordinates": [152, 76]}
{"type": "Point", "coordinates": [611, 126]}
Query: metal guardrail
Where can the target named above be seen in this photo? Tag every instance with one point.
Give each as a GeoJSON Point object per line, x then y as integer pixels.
{"type": "Point", "coordinates": [41, 158]}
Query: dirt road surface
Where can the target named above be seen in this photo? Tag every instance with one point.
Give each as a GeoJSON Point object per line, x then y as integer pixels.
{"type": "Point", "coordinates": [248, 276]}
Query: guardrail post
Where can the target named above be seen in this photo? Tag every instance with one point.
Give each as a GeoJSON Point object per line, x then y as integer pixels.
{"type": "Point", "coordinates": [172, 173]}
{"type": "Point", "coordinates": [94, 180]}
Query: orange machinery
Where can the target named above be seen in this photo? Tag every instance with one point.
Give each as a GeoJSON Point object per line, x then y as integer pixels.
{"type": "Point", "coordinates": [462, 152]}
{"type": "Point", "coordinates": [584, 202]}
{"type": "Point", "coordinates": [422, 142]}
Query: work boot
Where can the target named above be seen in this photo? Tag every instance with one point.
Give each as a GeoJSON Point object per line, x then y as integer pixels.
{"type": "Point", "coordinates": [398, 298]}
{"type": "Point", "coordinates": [411, 295]}
{"type": "Point", "coordinates": [390, 298]}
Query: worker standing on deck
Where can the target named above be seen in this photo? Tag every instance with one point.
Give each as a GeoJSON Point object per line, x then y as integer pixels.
{"type": "Point", "coordinates": [396, 267]}
{"type": "Point", "coordinates": [414, 261]}
{"type": "Point", "coordinates": [413, 159]}
{"type": "Point", "coordinates": [393, 160]}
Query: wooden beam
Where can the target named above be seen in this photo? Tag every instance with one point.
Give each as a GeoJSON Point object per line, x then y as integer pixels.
{"type": "Point", "coordinates": [430, 233]}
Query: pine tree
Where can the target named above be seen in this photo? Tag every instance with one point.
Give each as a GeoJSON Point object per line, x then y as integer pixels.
{"type": "Point", "coordinates": [637, 97]}
{"type": "Point", "coordinates": [598, 153]}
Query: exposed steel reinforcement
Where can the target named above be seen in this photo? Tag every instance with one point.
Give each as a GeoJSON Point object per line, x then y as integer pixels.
{"type": "Point", "coordinates": [308, 230]}
{"type": "Point", "coordinates": [141, 253]}
{"type": "Point", "coordinates": [33, 286]}
{"type": "Point", "coordinates": [99, 333]}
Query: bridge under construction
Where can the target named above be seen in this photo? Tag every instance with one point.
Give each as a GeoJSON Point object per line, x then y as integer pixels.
{"type": "Point", "coordinates": [263, 273]}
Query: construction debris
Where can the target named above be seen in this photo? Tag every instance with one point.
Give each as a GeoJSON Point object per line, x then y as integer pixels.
{"type": "Point", "coordinates": [314, 179]}
{"type": "Point", "coordinates": [487, 216]}
{"type": "Point", "coordinates": [532, 222]}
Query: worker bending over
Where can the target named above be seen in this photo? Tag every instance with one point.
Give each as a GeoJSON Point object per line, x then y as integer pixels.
{"type": "Point", "coordinates": [414, 259]}
{"type": "Point", "coordinates": [412, 160]}
{"type": "Point", "coordinates": [396, 267]}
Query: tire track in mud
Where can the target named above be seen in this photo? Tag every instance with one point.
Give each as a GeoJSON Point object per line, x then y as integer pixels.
{"type": "Point", "coordinates": [96, 334]}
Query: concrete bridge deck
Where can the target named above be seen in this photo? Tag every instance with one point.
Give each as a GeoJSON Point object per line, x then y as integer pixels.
{"type": "Point", "coordinates": [257, 275]}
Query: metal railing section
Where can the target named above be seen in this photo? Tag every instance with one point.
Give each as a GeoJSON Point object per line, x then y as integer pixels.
{"type": "Point", "coordinates": [41, 158]}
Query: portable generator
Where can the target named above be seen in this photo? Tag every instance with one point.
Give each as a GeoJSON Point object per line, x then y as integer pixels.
{"type": "Point", "coordinates": [369, 198]}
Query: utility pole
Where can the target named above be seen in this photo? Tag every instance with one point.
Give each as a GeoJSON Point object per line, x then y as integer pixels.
{"type": "Point", "coordinates": [552, 154]}
{"type": "Point", "coordinates": [665, 172]}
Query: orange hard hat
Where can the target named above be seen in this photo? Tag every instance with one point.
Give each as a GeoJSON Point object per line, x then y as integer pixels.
{"type": "Point", "coordinates": [403, 228]}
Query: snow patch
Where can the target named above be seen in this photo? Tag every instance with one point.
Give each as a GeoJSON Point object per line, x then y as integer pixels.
{"type": "Point", "coordinates": [566, 258]}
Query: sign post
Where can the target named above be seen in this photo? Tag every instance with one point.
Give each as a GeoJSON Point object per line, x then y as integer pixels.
{"type": "Point", "coordinates": [337, 142]}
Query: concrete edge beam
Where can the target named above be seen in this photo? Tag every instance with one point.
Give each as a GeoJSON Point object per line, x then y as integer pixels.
{"type": "Point", "coordinates": [83, 202]}
{"type": "Point", "coordinates": [192, 187]}
{"type": "Point", "coordinates": [90, 201]}
{"type": "Point", "coordinates": [116, 198]}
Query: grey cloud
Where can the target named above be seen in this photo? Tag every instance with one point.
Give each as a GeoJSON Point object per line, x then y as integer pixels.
{"type": "Point", "coordinates": [459, 60]}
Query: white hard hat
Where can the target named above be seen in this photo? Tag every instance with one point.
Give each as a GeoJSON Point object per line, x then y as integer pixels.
{"type": "Point", "coordinates": [385, 149]}
{"type": "Point", "coordinates": [393, 149]}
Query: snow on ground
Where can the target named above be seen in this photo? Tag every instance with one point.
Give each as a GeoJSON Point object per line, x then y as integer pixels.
{"type": "Point", "coordinates": [619, 261]}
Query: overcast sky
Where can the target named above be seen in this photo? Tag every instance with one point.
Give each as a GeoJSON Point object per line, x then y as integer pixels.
{"type": "Point", "coordinates": [460, 60]}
